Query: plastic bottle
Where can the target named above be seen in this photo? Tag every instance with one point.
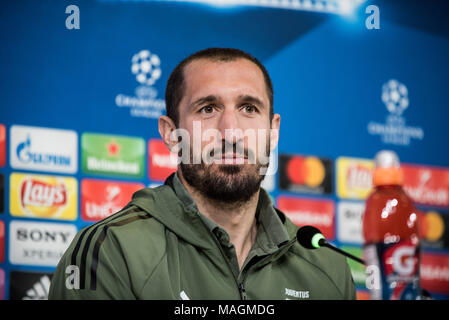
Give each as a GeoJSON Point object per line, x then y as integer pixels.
{"type": "Point", "coordinates": [390, 230]}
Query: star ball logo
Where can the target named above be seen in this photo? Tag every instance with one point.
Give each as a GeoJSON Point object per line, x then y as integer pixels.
{"type": "Point", "coordinates": [146, 66]}
{"type": "Point", "coordinates": [395, 131]}
{"type": "Point", "coordinates": [395, 97]}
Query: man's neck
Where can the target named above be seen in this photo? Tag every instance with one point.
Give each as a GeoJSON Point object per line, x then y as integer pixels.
{"type": "Point", "coordinates": [238, 219]}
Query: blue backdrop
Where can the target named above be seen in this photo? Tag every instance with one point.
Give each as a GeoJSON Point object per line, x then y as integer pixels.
{"type": "Point", "coordinates": [328, 72]}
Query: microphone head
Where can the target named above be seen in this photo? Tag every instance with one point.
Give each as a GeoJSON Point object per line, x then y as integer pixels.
{"type": "Point", "coordinates": [309, 237]}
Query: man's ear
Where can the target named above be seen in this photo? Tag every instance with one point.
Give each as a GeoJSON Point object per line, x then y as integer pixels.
{"type": "Point", "coordinates": [274, 132]}
{"type": "Point", "coordinates": [166, 127]}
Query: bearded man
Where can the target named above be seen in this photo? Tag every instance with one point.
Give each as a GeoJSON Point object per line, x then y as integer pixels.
{"type": "Point", "coordinates": [211, 231]}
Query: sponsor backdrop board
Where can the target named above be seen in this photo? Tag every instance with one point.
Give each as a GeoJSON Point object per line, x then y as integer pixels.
{"type": "Point", "coordinates": [79, 109]}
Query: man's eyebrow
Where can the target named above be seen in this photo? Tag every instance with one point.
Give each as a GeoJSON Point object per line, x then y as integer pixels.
{"type": "Point", "coordinates": [206, 99]}
{"type": "Point", "coordinates": [251, 99]}
{"type": "Point", "coordinates": [243, 98]}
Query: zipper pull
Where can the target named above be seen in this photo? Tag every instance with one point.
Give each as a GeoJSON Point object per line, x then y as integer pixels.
{"type": "Point", "coordinates": [242, 291]}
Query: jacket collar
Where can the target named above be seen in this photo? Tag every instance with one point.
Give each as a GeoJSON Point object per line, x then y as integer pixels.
{"type": "Point", "coordinates": [172, 205]}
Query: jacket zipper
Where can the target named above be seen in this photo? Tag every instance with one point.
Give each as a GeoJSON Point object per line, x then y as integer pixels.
{"type": "Point", "coordinates": [242, 291]}
{"type": "Point", "coordinates": [241, 286]}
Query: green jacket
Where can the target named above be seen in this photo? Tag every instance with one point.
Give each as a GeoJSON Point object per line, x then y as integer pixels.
{"type": "Point", "coordinates": [160, 247]}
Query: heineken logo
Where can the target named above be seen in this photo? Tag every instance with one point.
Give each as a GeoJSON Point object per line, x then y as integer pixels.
{"type": "Point", "coordinates": [112, 155]}
{"type": "Point", "coordinates": [113, 148]}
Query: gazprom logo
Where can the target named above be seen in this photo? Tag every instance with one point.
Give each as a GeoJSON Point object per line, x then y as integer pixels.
{"type": "Point", "coordinates": [26, 155]}
{"type": "Point", "coordinates": [44, 149]}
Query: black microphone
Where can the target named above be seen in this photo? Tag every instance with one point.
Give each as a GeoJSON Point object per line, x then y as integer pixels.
{"type": "Point", "coordinates": [312, 238]}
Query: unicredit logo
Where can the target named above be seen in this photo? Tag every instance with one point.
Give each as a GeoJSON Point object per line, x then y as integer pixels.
{"type": "Point", "coordinates": [26, 155]}
{"type": "Point", "coordinates": [101, 198]}
{"type": "Point", "coordinates": [425, 194]}
{"type": "Point", "coordinates": [94, 210]}
{"type": "Point", "coordinates": [427, 185]}
{"type": "Point", "coordinates": [105, 209]}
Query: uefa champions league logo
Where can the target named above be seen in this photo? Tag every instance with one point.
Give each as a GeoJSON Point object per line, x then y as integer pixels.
{"type": "Point", "coordinates": [394, 130]}
{"type": "Point", "coordinates": [146, 66]}
{"type": "Point", "coordinates": [395, 97]}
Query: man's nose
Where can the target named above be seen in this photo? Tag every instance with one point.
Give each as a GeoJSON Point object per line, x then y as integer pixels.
{"type": "Point", "coordinates": [229, 126]}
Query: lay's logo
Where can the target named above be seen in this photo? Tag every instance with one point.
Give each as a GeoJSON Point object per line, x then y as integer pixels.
{"type": "Point", "coordinates": [39, 196]}
{"type": "Point", "coordinates": [36, 193]}
{"type": "Point", "coordinates": [354, 177]}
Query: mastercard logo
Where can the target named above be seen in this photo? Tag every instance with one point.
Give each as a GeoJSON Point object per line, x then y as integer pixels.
{"type": "Point", "coordinates": [308, 171]}
{"type": "Point", "coordinates": [432, 226]}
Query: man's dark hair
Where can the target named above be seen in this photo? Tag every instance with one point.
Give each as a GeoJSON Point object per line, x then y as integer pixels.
{"type": "Point", "coordinates": [176, 85]}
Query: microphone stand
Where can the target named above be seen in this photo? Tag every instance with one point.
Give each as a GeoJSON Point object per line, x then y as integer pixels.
{"type": "Point", "coordinates": [323, 243]}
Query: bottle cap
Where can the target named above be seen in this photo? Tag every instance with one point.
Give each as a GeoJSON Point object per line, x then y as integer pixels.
{"type": "Point", "coordinates": [387, 159]}
{"type": "Point", "coordinates": [387, 169]}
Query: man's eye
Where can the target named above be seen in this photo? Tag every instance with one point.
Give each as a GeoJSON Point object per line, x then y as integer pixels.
{"type": "Point", "coordinates": [207, 109]}
{"type": "Point", "coordinates": [249, 108]}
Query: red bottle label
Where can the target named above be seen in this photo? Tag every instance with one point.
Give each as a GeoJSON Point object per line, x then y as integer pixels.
{"type": "Point", "coordinates": [400, 261]}
{"type": "Point", "coordinates": [393, 272]}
